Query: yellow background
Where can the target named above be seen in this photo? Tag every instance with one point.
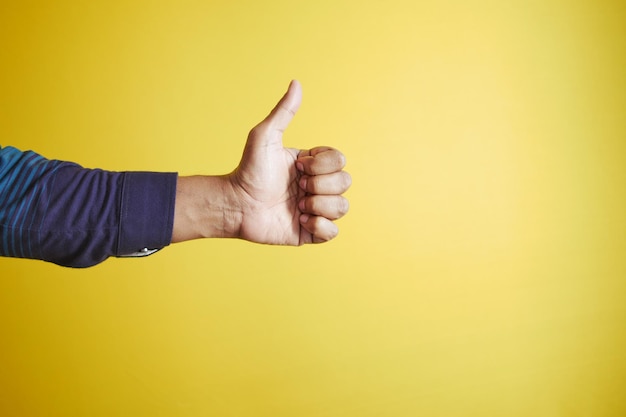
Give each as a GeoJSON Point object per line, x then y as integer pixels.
{"type": "Point", "coordinates": [480, 272]}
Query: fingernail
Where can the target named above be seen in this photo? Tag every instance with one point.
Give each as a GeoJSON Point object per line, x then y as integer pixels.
{"type": "Point", "coordinates": [300, 166]}
{"type": "Point", "coordinates": [301, 205]}
{"type": "Point", "coordinates": [303, 182]}
{"type": "Point", "coordinates": [304, 218]}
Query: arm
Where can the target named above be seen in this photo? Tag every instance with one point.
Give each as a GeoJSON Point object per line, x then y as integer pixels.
{"type": "Point", "coordinates": [60, 212]}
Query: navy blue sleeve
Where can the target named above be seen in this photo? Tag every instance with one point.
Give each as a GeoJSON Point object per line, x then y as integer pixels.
{"type": "Point", "coordinates": [63, 213]}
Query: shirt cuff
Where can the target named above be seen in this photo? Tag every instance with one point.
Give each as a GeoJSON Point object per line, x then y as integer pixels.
{"type": "Point", "coordinates": [147, 213]}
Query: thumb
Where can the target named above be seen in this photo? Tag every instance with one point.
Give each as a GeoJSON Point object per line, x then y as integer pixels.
{"type": "Point", "coordinates": [277, 121]}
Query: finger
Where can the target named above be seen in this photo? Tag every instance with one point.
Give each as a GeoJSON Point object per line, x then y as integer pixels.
{"type": "Point", "coordinates": [273, 126]}
{"type": "Point", "coordinates": [320, 228]}
{"type": "Point", "coordinates": [330, 206]}
{"type": "Point", "coordinates": [328, 184]}
{"type": "Point", "coordinates": [320, 161]}
{"type": "Point", "coordinates": [315, 151]}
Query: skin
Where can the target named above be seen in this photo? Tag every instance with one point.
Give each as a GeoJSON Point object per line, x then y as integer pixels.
{"type": "Point", "coordinates": [277, 195]}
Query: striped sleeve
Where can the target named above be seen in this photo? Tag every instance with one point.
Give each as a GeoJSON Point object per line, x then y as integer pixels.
{"type": "Point", "coordinates": [63, 213]}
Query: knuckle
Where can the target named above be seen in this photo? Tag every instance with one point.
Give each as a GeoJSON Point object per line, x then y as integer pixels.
{"type": "Point", "coordinates": [317, 204]}
{"type": "Point", "coordinates": [316, 225]}
{"type": "Point", "coordinates": [313, 185]}
{"type": "Point", "coordinates": [314, 166]}
{"type": "Point", "coordinates": [320, 149]}
{"type": "Point", "coordinates": [310, 204]}
{"type": "Point", "coordinates": [308, 164]}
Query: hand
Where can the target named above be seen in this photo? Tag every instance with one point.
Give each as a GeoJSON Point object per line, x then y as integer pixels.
{"type": "Point", "coordinates": [288, 196]}
{"type": "Point", "coordinates": [276, 195]}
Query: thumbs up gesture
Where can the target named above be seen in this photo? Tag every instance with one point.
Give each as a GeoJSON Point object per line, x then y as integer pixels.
{"type": "Point", "coordinates": [276, 195]}
{"type": "Point", "coordinates": [289, 196]}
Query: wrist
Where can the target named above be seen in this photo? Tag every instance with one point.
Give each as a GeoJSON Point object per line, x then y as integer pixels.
{"type": "Point", "coordinates": [206, 207]}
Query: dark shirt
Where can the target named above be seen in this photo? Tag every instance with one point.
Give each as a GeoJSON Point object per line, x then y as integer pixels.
{"type": "Point", "coordinates": [63, 213]}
